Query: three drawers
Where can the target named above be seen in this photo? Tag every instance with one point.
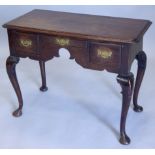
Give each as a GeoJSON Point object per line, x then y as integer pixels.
{"type": "Point", "coordinates": [106, 55]}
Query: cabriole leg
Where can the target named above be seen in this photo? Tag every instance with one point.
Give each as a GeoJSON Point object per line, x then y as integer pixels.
{"type": "Point", "coordinates": [11, 70]}
{"type": "Point", "coordinates": [141, 59]}
{"type": "Point", "coordinates": [126, 85]}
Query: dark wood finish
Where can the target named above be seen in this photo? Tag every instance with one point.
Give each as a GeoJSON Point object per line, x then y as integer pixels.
{"type": "Point", "coordinates": [95, 42]}
{"type": "Point", "coordinates": [11, 70]}
{"type": "Point", "coordinates": [43, 76]}
{"type": "Point", "coordinates": [112, 63]}
{"type": "Point", "coordinates": [51, 41]}
{"type": "Point", "coordinates": [83, 26]}
{"type": "Point", "coordinates": [19, 45]}
{"type": "Point", "coordinates": [141, 58]}
{"type": "Point", "coordinates": [49, 48]}
{"type": "Point", "coordinates": [18, 50]}
{"type": "Point", "coordinates": [126, 84]}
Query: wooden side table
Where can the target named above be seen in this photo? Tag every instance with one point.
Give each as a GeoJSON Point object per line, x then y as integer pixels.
{"type": "Point", "coordinates": [95, 42]}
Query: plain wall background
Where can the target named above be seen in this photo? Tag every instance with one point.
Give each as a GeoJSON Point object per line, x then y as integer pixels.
{"type": "Point", "coordinates": [82, 107]}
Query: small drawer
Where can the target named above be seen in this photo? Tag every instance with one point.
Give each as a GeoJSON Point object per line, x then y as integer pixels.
{"type": "Point", "coordinates": [106, 54]}
{"type": "Point", "coordinates": [24, 42]}
{"type": "Point", "coordinates": [59, 41]}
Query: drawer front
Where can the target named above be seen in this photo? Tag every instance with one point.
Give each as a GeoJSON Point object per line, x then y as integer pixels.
{"type": "Point", "coordinates": [49, 47]}
{"type": "Point", "coordinates": [107, 55]}
{"type": "Point", "coordinates": [24, 42]}
{"type": "Point", "coordinates": [64, 42]}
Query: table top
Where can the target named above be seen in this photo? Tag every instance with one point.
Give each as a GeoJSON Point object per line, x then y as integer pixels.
{"type": "Point", "coordinates": [102, 28]}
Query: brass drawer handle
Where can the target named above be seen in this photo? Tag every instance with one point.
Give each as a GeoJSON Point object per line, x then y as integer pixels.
{"type": "Point", "coordinates": [62, 42]}
{"type": "Point", "coordinates": [26, 43]}
{"type": "Point", "coordinates": [104, 53]}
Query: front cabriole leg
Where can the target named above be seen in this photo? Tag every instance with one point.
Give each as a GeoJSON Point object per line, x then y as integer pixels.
{"type": "Point", "coordinates": [11, 70]}
{"type": "Point", "coordinates": [126, 83]}
{"type": "Point", "coordinates": [141, 59]}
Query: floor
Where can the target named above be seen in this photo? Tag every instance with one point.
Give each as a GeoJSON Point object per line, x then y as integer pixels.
{"type": "Point", "coordinates": [81, 108]}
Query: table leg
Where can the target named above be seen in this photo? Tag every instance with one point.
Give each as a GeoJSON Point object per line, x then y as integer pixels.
{"type": "Point", "coordinates": [43, 76]}
{"type": "Point", "coordinates": [141, 59]}
{"type": "Point", "coordinates": [127, 85]}
{"type": "Point", "coordinates": [11, 70]}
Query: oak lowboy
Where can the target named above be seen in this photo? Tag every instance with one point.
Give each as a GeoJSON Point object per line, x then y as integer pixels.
{"type": "Point", "coordinates": [95, 42]}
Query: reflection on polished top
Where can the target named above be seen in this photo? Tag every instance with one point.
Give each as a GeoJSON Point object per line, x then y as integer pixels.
{"type": "Point", "coordinates": [84, 26]}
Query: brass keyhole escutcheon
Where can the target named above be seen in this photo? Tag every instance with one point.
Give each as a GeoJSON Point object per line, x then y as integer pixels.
{"type": "Point", "coordinates": [105, 53]}
{"type": "Point", "coordinates": [62, 41]}
{"type": "Point", "coordinates": [26, 43]}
